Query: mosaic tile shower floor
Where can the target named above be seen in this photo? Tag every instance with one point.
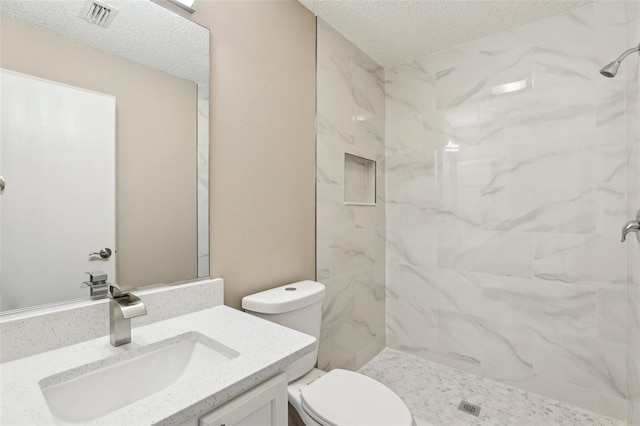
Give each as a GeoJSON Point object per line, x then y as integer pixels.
{"type": "Point", "coordinates": [433, 391]}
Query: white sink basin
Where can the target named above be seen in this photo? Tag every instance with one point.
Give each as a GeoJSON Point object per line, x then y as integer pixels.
{"type": "Point", "coordinates": [92, 391]}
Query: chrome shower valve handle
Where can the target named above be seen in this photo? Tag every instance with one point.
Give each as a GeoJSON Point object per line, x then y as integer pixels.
{"type": "Point", "coordinates": [632, 226]}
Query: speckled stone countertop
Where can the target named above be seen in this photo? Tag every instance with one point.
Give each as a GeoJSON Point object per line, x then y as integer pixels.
{"type": "Point", "coordinates": [265, 349]}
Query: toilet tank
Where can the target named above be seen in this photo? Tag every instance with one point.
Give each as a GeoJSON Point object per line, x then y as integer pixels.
{"type": "Point", "coordinates": [297, 306]}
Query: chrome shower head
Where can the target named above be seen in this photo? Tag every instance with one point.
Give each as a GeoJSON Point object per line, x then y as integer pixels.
{"type": "Point", "coordinates": [611, 69]}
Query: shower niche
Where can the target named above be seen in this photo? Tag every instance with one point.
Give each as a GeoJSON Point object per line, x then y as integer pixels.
{"type": "Point", "coordinates": [359, 181]}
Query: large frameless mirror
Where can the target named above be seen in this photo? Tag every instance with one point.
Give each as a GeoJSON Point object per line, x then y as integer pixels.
{"type": "Point", "coordinates": [104, 148]}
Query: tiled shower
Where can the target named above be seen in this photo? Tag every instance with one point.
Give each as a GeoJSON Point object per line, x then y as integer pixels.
{"type": "Point", "coordinates": [505, 170]}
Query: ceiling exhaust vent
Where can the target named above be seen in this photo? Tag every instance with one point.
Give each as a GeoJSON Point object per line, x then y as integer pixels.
{"type": "Point", "coordinates": [98, 13]}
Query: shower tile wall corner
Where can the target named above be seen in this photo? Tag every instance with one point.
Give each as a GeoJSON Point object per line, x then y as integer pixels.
{"type": "Point", "coordinates": [349, 238]}
{"type": "Point", "coordinates": [632, 68]}
{"type": "Point", "coordinates": [504, 211]}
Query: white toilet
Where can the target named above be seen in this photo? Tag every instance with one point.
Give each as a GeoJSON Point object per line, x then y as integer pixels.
{"type": "Point", "coordinates": [336, 398]}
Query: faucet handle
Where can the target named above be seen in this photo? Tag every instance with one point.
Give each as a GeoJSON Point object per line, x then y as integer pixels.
{"type": "Point", "coordinates": [97, 277]}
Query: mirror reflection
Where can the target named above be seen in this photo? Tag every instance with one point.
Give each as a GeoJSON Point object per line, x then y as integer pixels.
{"type": "Point", "coordinates": [103, 150]}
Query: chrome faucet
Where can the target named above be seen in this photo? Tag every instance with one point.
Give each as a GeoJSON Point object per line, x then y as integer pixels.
{"type": "Point", "coordinates": [122, 307]}
{"type": "Point", "coordinates": [632, 226]}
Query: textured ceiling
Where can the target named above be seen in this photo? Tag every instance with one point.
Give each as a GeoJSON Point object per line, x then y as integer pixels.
{"type": "Point", "coordinates": [393, 32]}
{"type": "Point", "coordinates": [142, 32]}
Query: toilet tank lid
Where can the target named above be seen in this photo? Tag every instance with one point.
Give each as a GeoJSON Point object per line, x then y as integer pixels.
{"type": "Point", "coordinates": [285, 298]}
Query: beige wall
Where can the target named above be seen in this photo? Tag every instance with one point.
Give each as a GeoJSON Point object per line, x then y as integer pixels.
{"type": "Point", "coordinates": [262, 143]}
{"type": "Point", "coordinates": [156, 133]}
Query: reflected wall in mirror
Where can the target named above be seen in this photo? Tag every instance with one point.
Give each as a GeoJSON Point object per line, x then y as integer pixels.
{"type": "Point", "coordinates": [153, 66]}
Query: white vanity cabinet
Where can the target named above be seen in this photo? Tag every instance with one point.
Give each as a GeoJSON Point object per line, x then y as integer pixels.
{"type": "Point", "coordinates": [264, 405]}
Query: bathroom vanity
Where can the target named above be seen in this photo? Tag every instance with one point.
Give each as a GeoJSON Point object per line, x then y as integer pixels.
{"type": "Point", "coordinates": [211, 367]}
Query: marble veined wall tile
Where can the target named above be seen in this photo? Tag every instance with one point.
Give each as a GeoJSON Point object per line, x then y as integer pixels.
{"type": "Point", "coordinates": [343, 343]}
{"type": "Point", "coordinates": [519, 198]}
{"type": "Point", "coordinates": [355, 315]}
{"type": "Point", "coordinates": [335, 107]}
{"type": "Point", "coordinates": [369, 135]}
{"type": "Point", "coordinates": [571, 163]}
{"type": "Point", "coordinates": [498, 253]}
{"type": "Point", "coordinates": [582, 361]}
{"type": "Point", "coordinates": [633, 331]}
{"type": "Point", "coordinates": [412, 246]}
{"type": "Point", "coordinates": [367, 82]}
{"type": "Point", "coordinates": [579, 396]}
{"type": "Point", "coordinates": [352, 250]}
{"type": "Point", "coordinates": [336, 215]}
{"type": "Point", "coordinates": [565, 209]}
{"type": "Point", "coordinates": [410, 172]}
{"type": "Point", "coordinates": [339, 299]}
{"type": "Point", "coordinates": [413, 328]}
{"type": "Point", "coordinates": [487, 166]}
{"type": "Point", "coordinates": [370, 218]}
{"type": "Point", "coordinates": [610, 164]}
{"type": "Point", "coordinates": [632, 92]}
{"type": "Point", "coordinates": [350, 247]}
{"type": "Point", "coordinates": [632, 141]}
{"type": "Point", "coordinates": [336, 349]}
{"type": "Point", "coordinates": [633, 405]}
{"type": "Point", "coordinates": [613, 13]}
{"type": "Point", "coordinates": [473, 82]}
{"type": "Point", "coordinates": [553, 306]}
{"type": "Point", "coordinates": [610, 98]}
{"type": "Point", "coordinates": [507, 345]}
{"type": "Point", "coordinates": [438, 288]}
{"type": "Point", "coordinates": [612, 315]}
{"type": "Point", "coordinates": [508, 208]}
{"type": "Point", "coordinates": [460, 334]}
{"type": "Point", "coordinates": [412, 86]}
{"type": "Point", "coordinates": [404, 130]}
{"type": "Point", "coordinates": [571, 61]}
{"type": "Point", "coordinates": [418, 208]}
{"type": "Point", "coordinates": [369, 306]}
{"type": "Point", "coordinates": [580, 259]}
{"type": "Point", "coordinates": [611, 209]}
{"type": "Point", "coordinates": [537, 116]}
{"type": "Point", "coordinates": [330, 159]}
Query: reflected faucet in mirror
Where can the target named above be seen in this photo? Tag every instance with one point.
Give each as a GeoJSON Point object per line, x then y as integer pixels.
{"type": "Point", "coordinates": [97, 284]}
{"type": "Point", "coordinates": [122, 307]}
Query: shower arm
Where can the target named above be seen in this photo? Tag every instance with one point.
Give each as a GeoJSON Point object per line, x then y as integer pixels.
{"type": "Point", "coordinates": [627, 53]}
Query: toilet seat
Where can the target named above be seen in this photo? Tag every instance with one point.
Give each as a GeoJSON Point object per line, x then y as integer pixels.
{"type": "Point", "coordinates": [346, 398]}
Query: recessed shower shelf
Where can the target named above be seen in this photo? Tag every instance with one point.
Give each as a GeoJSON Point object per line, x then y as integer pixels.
{"type": "Point", "coordinates": [359, 181]}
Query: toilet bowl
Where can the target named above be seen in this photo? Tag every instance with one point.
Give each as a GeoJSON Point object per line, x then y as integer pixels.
{"type": "Point", "coordinates": [335, 398]}
{"type": "Point", "coordinates": [342, 397]}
